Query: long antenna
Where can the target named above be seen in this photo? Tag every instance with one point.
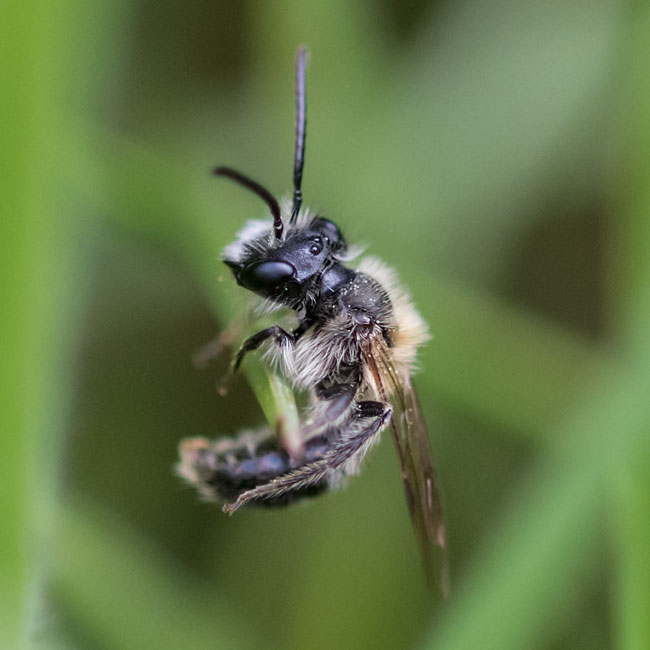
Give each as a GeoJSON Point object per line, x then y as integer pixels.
{"type": "Point", "coordinates": [262, 192]}
{"type": "Point", "coordinates": [301, 128]}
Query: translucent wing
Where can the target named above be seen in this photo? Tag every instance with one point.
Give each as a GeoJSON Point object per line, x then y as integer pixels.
{"type": "Point", "coordinates": [415, 459]}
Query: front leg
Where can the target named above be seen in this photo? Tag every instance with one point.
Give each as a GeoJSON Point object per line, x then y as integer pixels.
{"type": "Point", "coordinates": [253, 342]}
{"type": "Point", "coordinates": [280, 335]}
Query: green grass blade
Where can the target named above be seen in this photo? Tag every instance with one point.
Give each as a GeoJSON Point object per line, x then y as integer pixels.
{"type": "Point", "coordinates": [543, 549]}
{"type": "Point", "coordinates": [130, 594]}
{"type": "Point", "coordinates": [38, 259]}
{"type": "Point", "coordinates": [630, 300]}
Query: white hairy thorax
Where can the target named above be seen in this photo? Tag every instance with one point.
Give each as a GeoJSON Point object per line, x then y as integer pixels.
{"type": "Point", "coordinates": [320, 352]}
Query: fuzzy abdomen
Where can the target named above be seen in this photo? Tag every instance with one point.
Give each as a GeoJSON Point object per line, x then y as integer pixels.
{"type": "Point", "coordinates": [224, 469]}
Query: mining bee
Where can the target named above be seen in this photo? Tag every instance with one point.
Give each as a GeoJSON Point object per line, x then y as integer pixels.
{"type": "Point", "coordinates": [352, 348]}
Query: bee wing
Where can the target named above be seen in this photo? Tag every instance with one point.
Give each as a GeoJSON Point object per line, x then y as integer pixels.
{"type": "Point", "coordinates": [416, 461]}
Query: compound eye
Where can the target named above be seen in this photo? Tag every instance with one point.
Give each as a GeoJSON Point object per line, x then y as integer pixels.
{"type": "Point", "coordinates": [267, 275]}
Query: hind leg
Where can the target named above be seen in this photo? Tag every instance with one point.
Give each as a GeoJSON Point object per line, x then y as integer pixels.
{"type": "Point", "coordinates": [341, 457]}
{"type": "Point", "coordinates": [227, 467]}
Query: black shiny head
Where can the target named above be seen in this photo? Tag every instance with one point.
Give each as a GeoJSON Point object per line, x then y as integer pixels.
{"type": "Point", "coordinates": [286, 271]}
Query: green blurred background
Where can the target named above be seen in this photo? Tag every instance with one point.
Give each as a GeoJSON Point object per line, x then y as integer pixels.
{"type": "Point", "coordinates": [495, 153]}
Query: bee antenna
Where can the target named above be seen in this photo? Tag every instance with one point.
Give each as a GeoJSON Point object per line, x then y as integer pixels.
{"type": "Point", "coordinates": [262, 192]}
{"type": "Point", "coordinates": [301, 128]}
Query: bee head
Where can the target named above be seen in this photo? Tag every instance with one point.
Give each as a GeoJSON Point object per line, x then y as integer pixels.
{"type": "Point", "coordinates": [285, 269]}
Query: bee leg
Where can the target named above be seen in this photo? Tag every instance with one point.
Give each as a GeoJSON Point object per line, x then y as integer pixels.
{"type": "Point", "coordinates": [281, 336]}
{"type": "Point", "coordinates": [337, 400]}
{"type": "Point", "coordinates": [342, 457]}
{"type": "Point", "coordinates": [371, 409]}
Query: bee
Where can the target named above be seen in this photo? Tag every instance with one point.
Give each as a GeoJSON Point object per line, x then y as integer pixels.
{"type": "Point", "coordinates": [352, 348]}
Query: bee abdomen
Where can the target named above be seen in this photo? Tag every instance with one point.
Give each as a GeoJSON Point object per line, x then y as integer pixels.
{"type": "Point", "coordinates": [229, 467]}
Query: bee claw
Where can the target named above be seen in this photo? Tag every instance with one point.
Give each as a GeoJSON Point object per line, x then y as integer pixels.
{"type": "Point", "coordinates": [230, 508]}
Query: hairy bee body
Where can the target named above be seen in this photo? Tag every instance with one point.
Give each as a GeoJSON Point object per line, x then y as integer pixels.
{"type": "Point", "coordinates": [343, 316]}
{"type": "Point", "coordinates": [348, 336]}
{"type": "Point", "coordinates": [352, 304]}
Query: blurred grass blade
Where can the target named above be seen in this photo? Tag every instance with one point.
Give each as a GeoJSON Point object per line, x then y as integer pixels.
{"type": "Point", "coordinates": [533, 568]}
{"type": "Point", "coordinates": [130, 595]}
{"type": "Point", "coordinates": [543, 550]}
{"type": "Point", "coordinates": [630, 298]}
{"type": "Point", "coordinates": [39, 256]}
{"type": "Point", "coordinates": [631, 532]}
{"type": "Point", "coordinates": [630, 256]}
{"type": "Point", "coordinates": [46, 242]}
